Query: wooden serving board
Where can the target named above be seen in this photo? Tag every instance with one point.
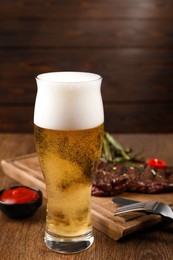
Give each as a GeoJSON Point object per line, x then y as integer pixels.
{"type": "Point", "coordinates": [26, 170]}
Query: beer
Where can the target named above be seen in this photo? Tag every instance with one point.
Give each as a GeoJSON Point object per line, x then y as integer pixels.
{"type": "Point", "coordinates": [68, 128]}
{"type": "Point", "coordinates": [68, 160]}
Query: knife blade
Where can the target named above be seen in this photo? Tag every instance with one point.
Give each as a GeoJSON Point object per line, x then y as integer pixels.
{"type": "Point", "coordinates": [122, 201]}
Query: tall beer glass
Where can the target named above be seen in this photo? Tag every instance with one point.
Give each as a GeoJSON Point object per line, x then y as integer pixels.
{"type": "Point", "coordinates": [68, 128]}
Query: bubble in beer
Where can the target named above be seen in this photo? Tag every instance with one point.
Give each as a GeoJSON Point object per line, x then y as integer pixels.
{"type": "Point", "coordinates": [68, 160]}
{"type": "Point", "coordinates": [68, 127]}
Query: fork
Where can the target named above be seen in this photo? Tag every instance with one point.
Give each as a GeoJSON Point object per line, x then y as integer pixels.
{"type": "Point", "coordinates": [150, 207]}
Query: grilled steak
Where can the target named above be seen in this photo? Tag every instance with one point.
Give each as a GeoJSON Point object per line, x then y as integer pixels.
{"type": "Point", "coordinates": [112, 179]}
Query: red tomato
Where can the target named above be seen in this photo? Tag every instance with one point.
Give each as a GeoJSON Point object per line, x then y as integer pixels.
{"type": "Point", "coordinates": [156, 163]}
{"type": "Point", "coordinates": [19, 195]}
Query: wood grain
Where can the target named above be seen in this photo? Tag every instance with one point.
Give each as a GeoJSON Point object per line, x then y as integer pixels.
{"type": "Point", "coordinates": [129, 43]}
{"type": "Point", "coordinates": [137, 117]}
{"type": "Point", "coordinates": [77, 9]}
{"type": "Point", "coordinates": [26, 171]}
{"type": "Point", "coordinates": [25, 237]}
{"type": "Point", "coordinates": [119, 118]}
{"type": "Point", "coordinates": [104, 33]}
{"type": "Point", "coordinates": [129, 75]}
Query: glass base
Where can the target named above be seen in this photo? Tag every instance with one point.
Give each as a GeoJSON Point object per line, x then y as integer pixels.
{"type": "Point", "coordinates": [69, 245]}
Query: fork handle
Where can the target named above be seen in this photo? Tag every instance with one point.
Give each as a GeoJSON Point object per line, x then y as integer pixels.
{"type": "Point", "coordinates": [120, 211]}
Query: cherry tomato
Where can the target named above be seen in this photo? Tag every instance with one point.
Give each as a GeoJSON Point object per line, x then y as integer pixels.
{"type": "Point", "coordinates": [156, 163]}
{"type": "Point", "coordinates": [19, 195]}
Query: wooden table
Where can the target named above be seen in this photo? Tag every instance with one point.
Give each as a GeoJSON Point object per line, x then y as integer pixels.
{"type": "Point", "coordinates": [23, 239]}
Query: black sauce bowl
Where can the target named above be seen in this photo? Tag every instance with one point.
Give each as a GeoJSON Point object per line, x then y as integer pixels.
{"type": "Point", "coordinates": [22, 210]}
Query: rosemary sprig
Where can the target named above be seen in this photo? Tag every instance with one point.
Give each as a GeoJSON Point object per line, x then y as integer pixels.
{"type": "Point", "coordinates": [116, 146]}
{"type": "Point", "coordinates": [106, 150]}
{"type": "Point", "coordinates": [113, 151]}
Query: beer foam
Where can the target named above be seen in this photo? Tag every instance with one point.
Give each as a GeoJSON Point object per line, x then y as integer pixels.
{"type": "Point", "coordinates": [61, 77]}
{"type": "Point", "coordinates": [68, 101]}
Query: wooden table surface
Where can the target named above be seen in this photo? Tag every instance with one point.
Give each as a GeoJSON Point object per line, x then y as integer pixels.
{"type": "Point", "coordinates": [23, 239]}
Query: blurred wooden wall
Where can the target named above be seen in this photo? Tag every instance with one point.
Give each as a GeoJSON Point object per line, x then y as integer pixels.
{"type": "Point", "coordinates": [128, 42]}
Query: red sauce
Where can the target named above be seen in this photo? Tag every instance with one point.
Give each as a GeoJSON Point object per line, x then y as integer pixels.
{"type": "Point", "coordinates": [19, 195]}
{"type": "Point", "coordinates": [156, 163]}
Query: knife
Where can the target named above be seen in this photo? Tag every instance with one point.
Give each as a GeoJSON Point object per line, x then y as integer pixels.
{"type": "Point", "coordinates": [123, 202]}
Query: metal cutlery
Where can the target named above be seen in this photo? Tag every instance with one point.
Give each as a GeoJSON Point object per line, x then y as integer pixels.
{"type": "Point", "coordinates": [149, 207]}
{"type": "Point", "coordinates": [122, 201]}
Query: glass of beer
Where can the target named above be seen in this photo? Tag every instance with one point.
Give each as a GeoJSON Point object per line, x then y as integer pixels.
{"type": "Point", "coordinates": [68, 130]}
